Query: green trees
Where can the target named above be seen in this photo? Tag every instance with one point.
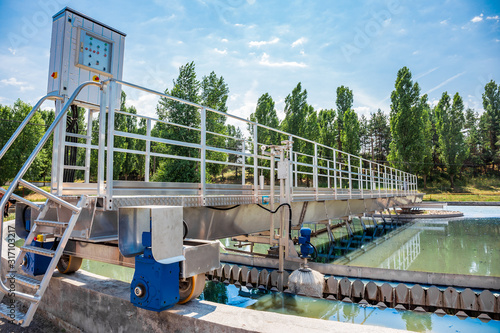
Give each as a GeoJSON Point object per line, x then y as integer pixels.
{"type": "Point", "coordinates": [214, 93]}
{"type": "Point", "coordinates": [406, 123]}
{"type": "Point", "coordinates": [450, 121]}
{"type": "Point", "coordinates": [296, 111]}
{"type": "Point", "coordinates": [350, 134]}
{"type": "Point", "coordinates": [25, 143]}
{"type": "Point", "coordinates": [343, 102]}
{"type": "Point", "coordinates": [326, 124]}
{"type": "Point", "coordinates": [187, 87]}
{"type": "Point", "coordinates": [491, 121]}
{"type": "Point", "coordinates": [265, 114]}
{"type": "Point", "coordinates": [380, 134]}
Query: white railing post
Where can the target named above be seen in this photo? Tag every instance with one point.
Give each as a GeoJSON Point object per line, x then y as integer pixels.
{"type": "Point", "coordinates": [328, 169]}
{"type": "Point", "coordinates": [335, 172]}
{"type": "Point", "coordinates": [255, 165]}
{"type": "Point", "coordinates": [243, 149]}
{"type": "Point", "coordinates": [147, 161]}
{"type": "Point", "coordinates": [360, 177]}
{"type": "Point", "coordinates": [350, 175]}
{"type": "Point", "coordinates": [203, 164]}
{"type": "Point", "coordinates": [295, 167]}
{"type": "Point", "coordinates": [102, 141]}
{"type": "Point", "coordinates": [315, 171]}
{"type": "Point", "coordinates": [372, 181]}
{"type": "Point", "coordinates": [88, 142]}
{"type": "Point", "coordinates": [378, 177]}
{"type": "Point", "coordinates": [111, 142]}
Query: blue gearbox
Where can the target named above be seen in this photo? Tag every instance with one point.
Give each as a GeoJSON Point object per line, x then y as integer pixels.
{"type": "Point", "coordinates": [155, 286]}
{"type": "Point", "coordinates": [306, 248]}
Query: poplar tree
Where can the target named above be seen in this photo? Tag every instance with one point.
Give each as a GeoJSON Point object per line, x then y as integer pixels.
{"type": "Point", "coordinates": [407, 127]}
{"type": "Point", "coordinates": [450, 122]}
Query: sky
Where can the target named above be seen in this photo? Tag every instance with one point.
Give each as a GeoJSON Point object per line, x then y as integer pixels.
{"type": "Point", "coordinates": [269, 46]}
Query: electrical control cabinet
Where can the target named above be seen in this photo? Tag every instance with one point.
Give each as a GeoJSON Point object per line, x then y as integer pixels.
{"type": "Point", "coordinates": [83, 49]}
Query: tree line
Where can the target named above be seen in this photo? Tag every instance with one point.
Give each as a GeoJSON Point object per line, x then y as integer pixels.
{"type": "Point", "coordinates": [414, 136]}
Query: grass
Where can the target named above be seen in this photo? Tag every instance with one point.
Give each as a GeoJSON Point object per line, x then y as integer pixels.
{"type": "Point", "coordinates": [471, 189]}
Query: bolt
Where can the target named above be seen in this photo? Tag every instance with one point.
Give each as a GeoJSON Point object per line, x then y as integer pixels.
{"type": "Point", "coordinates": [139, 291]}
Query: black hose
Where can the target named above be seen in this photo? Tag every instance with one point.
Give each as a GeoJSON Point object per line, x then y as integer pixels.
{"type": "Point", "coordinates": [315, 250]}
{"type": "Point", "coordinates": [270, 211]}
{"type": "Point", "coordinates": [218, 208]}
{"type": "Point", "coordinates": [289, 215]}
{"type": "Point", "coordinates": [186, 229]}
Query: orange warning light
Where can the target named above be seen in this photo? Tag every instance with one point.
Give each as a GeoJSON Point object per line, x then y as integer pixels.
{"type": "Point", "coordinates": [95, 78]}
{"type": "Point", "coordinates": [54, 75]}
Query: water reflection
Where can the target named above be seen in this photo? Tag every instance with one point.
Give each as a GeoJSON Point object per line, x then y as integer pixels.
{"type": "Point", "coordinates": [342, 312]}
{"type": "Point", "coordinates": [466, 246]}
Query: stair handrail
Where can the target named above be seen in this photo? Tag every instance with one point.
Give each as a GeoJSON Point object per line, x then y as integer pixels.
{"type": "Point", "coordinates": [52, 95]}
{"type": "Point", "coordinates": [24, 168]}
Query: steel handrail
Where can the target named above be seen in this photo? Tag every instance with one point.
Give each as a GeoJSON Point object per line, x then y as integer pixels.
{"type": "Point", "coordinates": [26, 121]}
{"type": "Point", "coordinates": [25, 167]}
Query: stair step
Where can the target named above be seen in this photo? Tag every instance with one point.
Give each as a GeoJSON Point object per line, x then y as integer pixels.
{"type": "Point", "coordinates": [51, 223]}
{"type": "Point", "coordinates": [38, 250]}
{"type": "Point", "coordinates": [28, 281]}
{"type": "Point", "coordinates": [11, 314]}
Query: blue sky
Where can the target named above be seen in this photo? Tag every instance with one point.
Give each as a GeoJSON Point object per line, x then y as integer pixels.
{"type": "Point", "coordinates": [269, 46]}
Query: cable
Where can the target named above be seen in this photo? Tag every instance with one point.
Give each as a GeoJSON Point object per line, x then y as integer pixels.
{"type": "Point", "coordinates": [315, 250]}
{"type": "Point", "coordinates": [218, 208]}
{"type": "Point", "coordinates": [289, 215]}
{"type": "Point", "coordinates": [270, 211]}
{"type": "Point", "coordinates": [186, 229]}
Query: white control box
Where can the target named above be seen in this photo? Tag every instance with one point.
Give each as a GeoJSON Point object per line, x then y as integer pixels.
{"type": "Point", "coordinates": [83, 49]}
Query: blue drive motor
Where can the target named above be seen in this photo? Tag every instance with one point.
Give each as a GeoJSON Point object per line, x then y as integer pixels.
{"type": "Point", "coordinates": [36, 264]}
{"type": "Point", "coordinates": [155, 286]}
{"type": "Point", "coordinates": [306, 248]}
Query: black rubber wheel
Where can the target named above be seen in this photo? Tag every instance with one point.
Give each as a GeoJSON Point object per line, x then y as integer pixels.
{"type": "Point", "coordinates": [191, 288]}
{"type": "Point", "coordinates": [69, 264]}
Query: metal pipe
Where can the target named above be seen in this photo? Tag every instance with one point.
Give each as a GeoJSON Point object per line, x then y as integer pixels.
{"type": "Point", "coordinates": [28, 163]}
{"type": "Point", "coordinates": [48, 195]}
{"type": "Point", "coordinates": [203, 143]}
{"type": "Point", "coordinates": [110, 144]}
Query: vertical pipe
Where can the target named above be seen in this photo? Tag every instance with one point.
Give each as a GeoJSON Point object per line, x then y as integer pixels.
{"type": "Point", "coordinates": [360, 177]}
{"type": "Point", "coordinates": [315, 168]}
{"type": "Point", "coordinates": [61, 147]}
{"type": "Point", "coordinates": [372, 181]}
{"type": "Point", "coordinates": [203, 164]}
{"type": "Point", "coordinates": [378, 177]}
{"type": "Point", "coordinates": [335, 172]}
{"type": "Point", "coordinates": [112, 92]}
{"type": "Point", "coordinates": [255, 164]}
{"type": "Point", "coordinates": [271, 198]}
{"type": "Point", "coordinates": [296, 178]}
{"type": "Point", "coordinates": [147, 161]}
{"type": "Point", "coordinates": [102, 141]}
{"type": "Point", "coordinates": [54, 174]}
{"type": "Point", "coordinates": [290, 169]}
{"type": "Point", "coordinates": [88, 141]}
{"type": "Point", "coordinates": [350, 174]}
{"type": "Point", "coordinates": [243, 149]}
{"type": "Point", "coordinates": [328, 169]}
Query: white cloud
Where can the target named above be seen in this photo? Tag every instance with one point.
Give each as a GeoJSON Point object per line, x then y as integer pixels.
{"type": "Point", "coordinates": [497, 40]}
{"type": "Point", "coordinates": [11, 50]}
{"type": "Point", "coordinates": [299, 41]}
{"type": "Point", "coordinates": [239, 25]}
{"type": "Point", "coordinates": [261, 43]}
{"type": "Point", "coordinates": [363, 110]}
{"type": "Point", "coordinates": [224, 40]}
{"type": "Point", "coordinates": [476, 19]}
{"type": "Point", "coordinates": [11, 82]}
{"type": "Point", "coordinates": [158, 20]}
{"type": "Point", "coordinates": [444, 22]}
{"type": "Point", "coordinates": [145, 103]}
{"type": "Point", "coordinates": [220, 51]}
{"type": "Point", "coordinates": [496, 17]}
{"type": "Point", "coordinates": [23, 86]}
{"type": "Point", "coordinates": [264, 60]}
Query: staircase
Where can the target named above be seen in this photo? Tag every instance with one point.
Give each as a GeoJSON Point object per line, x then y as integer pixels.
{"type": "Point", "coordinates": [59, 229]}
